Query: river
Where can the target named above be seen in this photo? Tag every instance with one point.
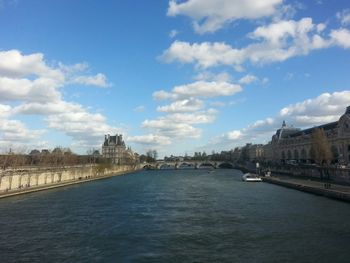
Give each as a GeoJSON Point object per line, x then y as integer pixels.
{"type": "Point", "coordinates": [174, 216]}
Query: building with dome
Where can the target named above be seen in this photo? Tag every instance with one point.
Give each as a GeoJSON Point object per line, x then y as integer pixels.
{"type": "Point", "coordinates": [291, 144]}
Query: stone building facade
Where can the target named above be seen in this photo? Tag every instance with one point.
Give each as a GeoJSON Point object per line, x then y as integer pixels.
{"type": "Point", "coordinates": [115, 150]}
{"type": "Point", "coordinates": [291, 144]}
{"type": "Point", "coordinates": [256, 152]}
{"type": "Point", "coordinates": [249, 152]}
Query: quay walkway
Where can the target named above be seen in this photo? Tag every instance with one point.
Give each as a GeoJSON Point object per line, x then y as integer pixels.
{"type": "Point", "coordinates": [323, 188]}
{"type": "Point", "coordinates": [33, 189]}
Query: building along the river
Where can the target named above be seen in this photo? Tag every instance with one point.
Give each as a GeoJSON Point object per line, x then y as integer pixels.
{"type": "Point", "coordinates": [293, 144]}
{"type": "Point", "coordinates": [115, 150]}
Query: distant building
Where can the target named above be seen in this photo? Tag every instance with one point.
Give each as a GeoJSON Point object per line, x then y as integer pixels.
{"type": "Point", "coordinates": [250, 152]}
{"type": "Point", "coordinates": [34, 152]}
{"type": "Point", "coordinates": [256, 152]}
{"type": "Point", "coordinates": [173, 158]}
{"type": "Point", "coordinates": [293, 144]}
{"type": "Point", "coordinates": [236, 154]}
{"type": "Point", "coordinates": [96, 153]}
{"type": "Point", "coordinates": [45, 151]}
{"type": "Point", "coordinates": [115, 150]}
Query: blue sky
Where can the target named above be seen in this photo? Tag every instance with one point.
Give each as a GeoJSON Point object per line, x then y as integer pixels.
{"type": "Point", "coordinates": [176, 76]}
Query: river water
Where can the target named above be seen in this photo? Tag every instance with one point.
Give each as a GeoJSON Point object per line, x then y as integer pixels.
{"type": "Point", "coordinates": [174, 216]}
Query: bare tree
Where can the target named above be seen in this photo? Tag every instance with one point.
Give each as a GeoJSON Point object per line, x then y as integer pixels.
{"type": "Point", "coordinates": [320, 147]}
{"type": "Point", "coordinates": [34, 157]}
{"type": "Point", "coordinates": [321, 151]}
{"type": "Point", "coordinates": [151, 156]}
{"type": "Point", "coordinates": [57, 156]}
{"type": "Point", "coordinates": [155, 155]}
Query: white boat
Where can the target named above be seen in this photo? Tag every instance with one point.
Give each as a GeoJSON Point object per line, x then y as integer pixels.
{"type": "Point", "coordinates": [249, 177]}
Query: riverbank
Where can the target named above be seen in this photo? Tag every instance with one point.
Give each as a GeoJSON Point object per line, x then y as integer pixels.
{"type": "Point", "coordinates": [330, 190]}
{"type": "Point", "coordinates": [40, 181]}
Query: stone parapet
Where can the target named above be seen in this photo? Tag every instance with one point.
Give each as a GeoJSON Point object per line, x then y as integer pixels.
{"type": "Point", "coordinates": [25, 179]}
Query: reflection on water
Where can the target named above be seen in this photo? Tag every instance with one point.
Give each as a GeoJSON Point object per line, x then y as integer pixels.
{"type": "Point", "coordinates": [174, 216]}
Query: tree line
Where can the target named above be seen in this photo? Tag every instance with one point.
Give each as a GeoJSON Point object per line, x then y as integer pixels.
{"type": "Point", "coordinates": [150, 156]}
{"type": "Point", "coordinates": [57, 157]}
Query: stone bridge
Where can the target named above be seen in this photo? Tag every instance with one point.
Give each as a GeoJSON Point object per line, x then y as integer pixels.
{"type": "Point", "coordinates": [188, 164]}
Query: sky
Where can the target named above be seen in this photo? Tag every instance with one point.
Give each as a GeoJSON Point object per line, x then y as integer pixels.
{"type": "Point", "coordinates": [174, 76]}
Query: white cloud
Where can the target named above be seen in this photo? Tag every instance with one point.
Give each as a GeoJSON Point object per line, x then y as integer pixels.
{"type": "Point", "coordinates": [5, 111]}
{"type": "Point", "coordinates": [209, 76]}
{"type": "Point", "coordinates": [150, 140]}
{"type": "Point", "coordinates": [188, 108]}
{"type": "Point", "coordinates": [261, 123]}
{"type": "Point", "coordinates": [40, 90]}
{"type": "Point", "coordinates": [179, 126]}
{"type": "Point", "coordinates": [140, 108]}
{"type": "Point", "coordinates": [289, 33]}
{"type": "Point", "coordinates": [84, 127]}
{"type": "Point", "coordinates": [186, 105]}
{"type": "Point", "coordinates": [219, 104]}
{"type": "Point", "coordinates": [234, 135]}
{"type": "Point", "coordinates": [211, 15]}
{"type": "Point", "coordinates": [247, 79]}
{"type": "Point", "coordinates": [341, 37]}
{"type": "Point", "coordinates": [200, 89]}
{"type": "Point", "coordinates": [49, 108]}
{"type": "Point", "coordinates": [73, 119]}
{"type": "Point", "coordinates": [204, 55]}
{"type": "Point", "coordinates": [287, 11]}
{"type": "Point", "coordinates": [325, 108]}
{"type": "Point", "coordinates": [163, 95]}
{"type": "Point", "coordinates": [98, 80]}
{"type": "Point", "coordinates": [320, 27]}
{"type": "Point", "coordinates": [275, 42]}
{"type": "Point", "coordinates": [344, 17]}
{"type": "Point", "coordinates": [15, 65]}
{"type": "Point", "coordinates": [318, 110]}
{"type": "Point", "coordinates": [28, 82]}
{"type": "Point", "coordinates": [167, 127]}
{"type": "Point", "coordinates": [73, 69]}
{"type": "Point", "coordinates": [14, 131]}
{"type": "Point", "coordinates": [199, 117]}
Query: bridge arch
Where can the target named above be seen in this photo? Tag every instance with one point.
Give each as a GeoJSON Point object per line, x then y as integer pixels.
{"type": "Point", "coordinates": [226, 165]}
{"type": "Point", "coordinates": [187, 164]}
{"type": "Point", "coordinates": [166, 166]}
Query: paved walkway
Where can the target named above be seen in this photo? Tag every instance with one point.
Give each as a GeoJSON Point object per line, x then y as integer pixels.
{"type": "Point", "coordinates": [332, 190]}
{"type": "Point", "coordinates": [314, 183]}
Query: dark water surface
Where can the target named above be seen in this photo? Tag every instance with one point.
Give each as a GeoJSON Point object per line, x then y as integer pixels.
{"type": "Point", "coordinates": [174, 216]}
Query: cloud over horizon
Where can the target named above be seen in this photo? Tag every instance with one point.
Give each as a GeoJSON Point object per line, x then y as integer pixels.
{"type": "Point", "coordinates": [325, 108]}
{"type": "Point", "coordinates": [29, 86]}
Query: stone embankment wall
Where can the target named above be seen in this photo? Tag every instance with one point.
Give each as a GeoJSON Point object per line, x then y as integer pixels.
{"type": "Point", "coordinates": [336, 192]}
{"type": "Point", "coordinates": [332, 173]}
{"type": "Point", "coordinates": [29, 178]}
{"type": "Point", "coordinates": [337, 175]}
